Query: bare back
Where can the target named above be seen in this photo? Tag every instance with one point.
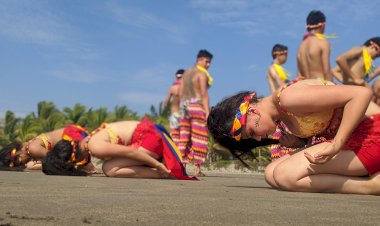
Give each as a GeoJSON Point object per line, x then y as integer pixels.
{"type": "Point", "coordinates": [123, 129]}
{"type": "Point", "coordinates": [174, 92]}
{"type": "Point", "coordinates": [192, 84]}
{"type": "Point", "coordinates": [313, 59]}
{"type": "Point", "coordinates": [36, 147]}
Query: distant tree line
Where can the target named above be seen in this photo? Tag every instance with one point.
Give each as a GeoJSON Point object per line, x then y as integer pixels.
{"type": "Point", "coordinates": [49, 117]}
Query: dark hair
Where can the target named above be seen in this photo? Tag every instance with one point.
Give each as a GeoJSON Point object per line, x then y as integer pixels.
{"type": "Point", "coordinates": [204, 53]}
{"type": "Point", "coordinates": [314, 18]}
{"type": "Point", "coordinates": [180, 71]}
{"type": "Point", "coordinates": [278, 48]}
{"type": "Point", "coordinates": [57, 162]}
{"type": "Point", "coordinates": [374, 39]}
{"type": "Point", "coordinates": [5, 155]}
{"type": "Point", "coordinates": [219, 123]}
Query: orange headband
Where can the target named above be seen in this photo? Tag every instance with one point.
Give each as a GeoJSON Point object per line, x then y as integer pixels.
{"type": "Point", "coordinates": [279, 52]}
{"type": "Point", "coordinates": [320, 24]}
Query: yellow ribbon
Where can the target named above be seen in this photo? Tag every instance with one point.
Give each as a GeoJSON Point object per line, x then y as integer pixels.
{"type": "Point", "coordinates": [284, 75]}
{"type": "Point", "coordinates": [367, 61]}
{"type": "Point", "coordinates": [209, 78]}
{"type": "Point", "coordinates": [323, 36]}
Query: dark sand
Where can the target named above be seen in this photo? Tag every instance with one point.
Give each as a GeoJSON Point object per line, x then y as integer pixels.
{"type": "Point", "coordinates": [32, 198]}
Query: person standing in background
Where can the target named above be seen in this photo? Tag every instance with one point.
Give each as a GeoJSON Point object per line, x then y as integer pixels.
{"type": "Point", "coordinates": [277, 76]}
{"type": "Point", "coordinates": [195, 107]}
{"type": "Point", "coordinates": [173, 98]}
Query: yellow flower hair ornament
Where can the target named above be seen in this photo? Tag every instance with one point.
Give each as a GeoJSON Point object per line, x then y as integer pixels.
{"type": "Point", "coordinates": [13, 155]}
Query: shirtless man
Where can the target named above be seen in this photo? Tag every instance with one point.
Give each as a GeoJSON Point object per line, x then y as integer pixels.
{"type": "Point", "coordinates": [277, 76]}
{"type": "Point", "coordinates": [173, 97]}
{"type": "Point", "coordinates": [376, 92]}
{"type": "Point", "coordinates": [355, 67]}
{"type": "Point", "coordinates": [313, 57]}
{"type": "Point", "coordinates": [195, 108]}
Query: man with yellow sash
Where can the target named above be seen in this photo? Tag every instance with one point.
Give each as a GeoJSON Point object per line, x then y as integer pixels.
{"type": "Point", "coordinates": [195, 107]}
{"type": "Point", "coordinates": [355, 67]}
{"type": "Point", "coordinates": [313, 56]}
{"type": "Point", "coordinates": [277, 76]}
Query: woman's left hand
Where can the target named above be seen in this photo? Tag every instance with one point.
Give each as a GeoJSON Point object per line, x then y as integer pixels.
{"type": "Point", "coordinates": [323, 156]}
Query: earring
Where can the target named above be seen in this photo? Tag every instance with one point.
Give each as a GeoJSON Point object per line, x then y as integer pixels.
{"type": "Point", "coordinates": [257, 120]}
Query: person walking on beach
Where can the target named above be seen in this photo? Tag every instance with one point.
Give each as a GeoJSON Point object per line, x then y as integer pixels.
{"type": "Point", "coordinates": [313, 57]}
{"type": "Point", "coordinates": [277, 76]}
{"type": "Point", "coordinates": [173, 98]}
{"type": "Point", "coordinates": [355, 67]}
{"type": "Point", "coordinates": [195, 107]}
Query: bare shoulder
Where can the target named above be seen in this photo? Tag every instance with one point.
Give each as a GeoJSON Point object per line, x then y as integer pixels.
{"type": "Point", "coordinates": [376, 84]}
{"type": "Point", "coordinates": [324, 44]}
{"type": "Point", "coordinates": [356, 50]}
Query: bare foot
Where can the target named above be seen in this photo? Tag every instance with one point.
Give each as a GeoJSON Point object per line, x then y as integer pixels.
{"type": "Point", "coordinates": [375, 179]}
{"type": "Point", "coordinates": [199, 174]}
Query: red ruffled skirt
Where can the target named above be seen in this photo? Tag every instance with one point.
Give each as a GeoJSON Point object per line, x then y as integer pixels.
{"type": "Point", "coordinates": [365, 142]}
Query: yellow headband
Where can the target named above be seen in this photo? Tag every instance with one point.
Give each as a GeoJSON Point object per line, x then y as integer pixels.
{"type": "Point", "coordinates": [13, 155]}
{"type": "Point", "coordinates": [240, 117]}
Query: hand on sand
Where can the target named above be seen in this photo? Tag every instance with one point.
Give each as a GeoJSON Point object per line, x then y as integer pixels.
{"type": "Point", "coordinates": [163, 171]}
{"type": "Point", "coordinates": [323, 156]}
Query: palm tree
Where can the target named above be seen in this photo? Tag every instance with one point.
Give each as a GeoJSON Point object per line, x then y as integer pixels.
{"type": "Point", "coordinates": [76, 115]}
{"type": "Point", "coordinates": [28, 128]}
{"type": "Point", "coordinates": [123, 113]}
{"type": "Point", "coordinates": [161, 116]}
{"type": "Point", "coordinates": [10, 127]}
{"type": "Point", "coordinates": [96, 118]}
{"type": "Point", "coordinates": [49, 117]}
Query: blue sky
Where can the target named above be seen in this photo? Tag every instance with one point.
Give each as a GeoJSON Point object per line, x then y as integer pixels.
{"type": "Point", "coordinates": [109, 53]}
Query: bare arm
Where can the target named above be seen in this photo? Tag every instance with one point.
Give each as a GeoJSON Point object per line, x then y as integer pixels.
{"type": "Point", "coordinates": [34, 165]}
{"type": "Point", "coordinates": [204, 93]}
{"type": "Point", "coordinates": [36, 150]}
{"type": "Point", "coordinates": [168, 96]}
{"type": "Point", "coordinates": [342, 62]}
{"type": "Point", "coordinates": [271, 83]}
{"type": "Point", "coordinates": [180, 89]}
{"type": "Point", "coordinates": [274, 77]}
{"type": "Point", "coordinates": [104, 150]}
{"type": "Point", "coordinates": [305, 99]}
{"type": "Point", "coordinates": [326, 61]}
{"type": "Point", "coordinates": [375, 73]}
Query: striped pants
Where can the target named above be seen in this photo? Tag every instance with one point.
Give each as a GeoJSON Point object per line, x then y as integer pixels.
{"type": "Point", "coordinates": [174, 127]}
{"type": "Point", "coordinates": [193, 142]}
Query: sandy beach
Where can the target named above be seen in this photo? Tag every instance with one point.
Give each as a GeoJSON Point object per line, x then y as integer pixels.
{"type": "Point", "coordinates": [32, 198]}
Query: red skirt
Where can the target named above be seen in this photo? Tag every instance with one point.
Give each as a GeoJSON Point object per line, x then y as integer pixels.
{"type": "Point", "coordinates": [365, 142]}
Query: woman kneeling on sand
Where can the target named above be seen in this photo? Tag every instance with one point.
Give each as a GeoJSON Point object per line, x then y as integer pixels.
{"type": "Point", "coordinates": [128, 149]}
{"type": "Point", "coordinates": [340, 123]}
